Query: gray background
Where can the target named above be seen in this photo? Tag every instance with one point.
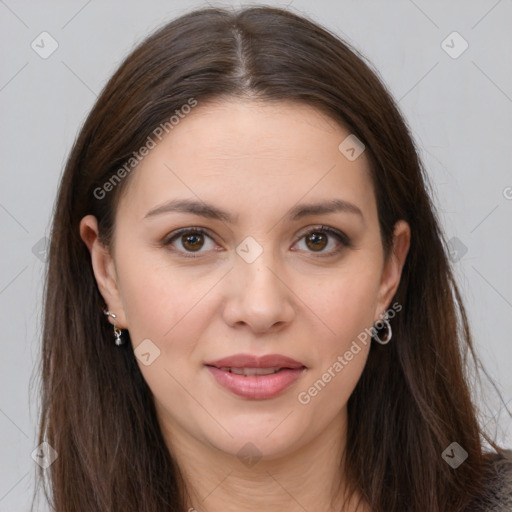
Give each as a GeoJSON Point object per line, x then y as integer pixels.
{"type": "Point", "coordinates": [459, 109]}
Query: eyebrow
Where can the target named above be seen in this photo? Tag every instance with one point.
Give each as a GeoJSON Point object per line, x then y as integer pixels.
{"type": "Point", "coordinates": [213, 212]}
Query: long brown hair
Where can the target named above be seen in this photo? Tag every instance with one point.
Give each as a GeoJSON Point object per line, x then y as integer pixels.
{"type": "Point", "coordinates": [413, 398]}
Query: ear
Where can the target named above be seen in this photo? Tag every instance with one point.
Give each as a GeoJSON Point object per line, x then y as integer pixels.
{"type": "Point", "coordinates": [104, 270]}
{"type": "Point", "coordinates": [392, 270]}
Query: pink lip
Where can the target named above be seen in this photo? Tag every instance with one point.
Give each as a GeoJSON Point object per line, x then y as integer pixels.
{"type": "Point", "coordinates": [259, 387]}
{"type": "Point", "coordinates": [256, 387]}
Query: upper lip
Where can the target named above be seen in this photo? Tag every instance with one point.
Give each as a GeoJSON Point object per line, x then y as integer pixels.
{"type": "Point", "coordinates": [252, 361]}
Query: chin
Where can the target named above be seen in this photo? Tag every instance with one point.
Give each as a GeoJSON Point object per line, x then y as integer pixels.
{"type": "Point", "coordinates": [257, 437]}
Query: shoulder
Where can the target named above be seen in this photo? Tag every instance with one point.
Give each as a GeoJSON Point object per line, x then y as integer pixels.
{"type": "Point", "coordinates": [496, 495]}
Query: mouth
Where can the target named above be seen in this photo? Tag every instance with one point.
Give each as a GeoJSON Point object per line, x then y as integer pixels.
{"type": "Point", "coordinates": [269, 362]}
{"type": "Point", "coordinates": [256, 378]}
{"type": "Point", "coordinates": [252, 372]}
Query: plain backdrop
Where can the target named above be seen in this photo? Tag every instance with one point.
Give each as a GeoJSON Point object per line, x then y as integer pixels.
{"type": "Point", "coordinates": [455, 90]}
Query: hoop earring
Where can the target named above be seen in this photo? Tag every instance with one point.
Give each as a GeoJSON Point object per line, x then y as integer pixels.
{"type": "Point", "coordinates": [389, 332]}
{"type": "Point", "coordinates": [117, 332]}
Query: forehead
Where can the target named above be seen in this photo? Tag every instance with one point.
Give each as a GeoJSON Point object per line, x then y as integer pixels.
{"type": "Point", "coordinates": [238, 128]}
{"type": "Point", "coordinates": [242, 151]}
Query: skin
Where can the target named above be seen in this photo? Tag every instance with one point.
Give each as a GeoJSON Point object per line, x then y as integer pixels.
{"type": "Point", "coordinates": [256, 160]}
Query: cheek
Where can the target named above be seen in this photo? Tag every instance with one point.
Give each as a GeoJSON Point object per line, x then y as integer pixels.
{"type": "Point", "coordinates": [347, 308]}
{"type": "Point", "coordinates": [158, 297]}
{"type": "Point", "coordinates": [326, 392]}
{"type": "Point", "coordinates": [346, 302]}
{"type": "Point", "coordinates": [162, 306]}
{"type": "Point", "coordinates": [339, 358]}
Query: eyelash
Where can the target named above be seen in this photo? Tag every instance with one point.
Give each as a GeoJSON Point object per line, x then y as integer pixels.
{"type": "Point", "coordinates": [339, 235]}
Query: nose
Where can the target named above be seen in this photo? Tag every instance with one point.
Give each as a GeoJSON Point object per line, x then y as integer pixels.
{"type": "Point", "coordinates": [258, 295]}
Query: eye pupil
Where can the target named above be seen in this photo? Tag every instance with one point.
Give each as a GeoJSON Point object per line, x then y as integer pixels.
{"type": "Point", "coordinates": [192, 241]}
{"type": "Point", "coordinates": [318, 240]}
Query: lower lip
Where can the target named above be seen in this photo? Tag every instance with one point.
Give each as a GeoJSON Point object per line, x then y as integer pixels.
{"type": "Point", "coordinates": [258, 387]}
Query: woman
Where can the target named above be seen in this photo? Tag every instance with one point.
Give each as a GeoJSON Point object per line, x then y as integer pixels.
{"type": "Point", "coordinates": [249, 304]}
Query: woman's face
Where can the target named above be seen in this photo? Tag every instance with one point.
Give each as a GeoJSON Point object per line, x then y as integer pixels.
{"type": "Point", "coordinates": [266, 276]}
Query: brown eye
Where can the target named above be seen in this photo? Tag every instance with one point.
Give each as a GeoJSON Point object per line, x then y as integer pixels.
{"type": "Point", "coordinates": [188, 241]}
{"type": "Point", "coordinates": [192, 241]}
{"type": "Point", "coordinates": [324, 241]}
{"type": "Point", "coordinates": [316, 241]}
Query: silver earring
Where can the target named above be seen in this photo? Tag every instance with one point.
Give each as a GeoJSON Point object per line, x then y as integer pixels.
{"type": "Point", "coordinates": [389, 332]}
{"type": "Point", "coordinates": [117, 332]}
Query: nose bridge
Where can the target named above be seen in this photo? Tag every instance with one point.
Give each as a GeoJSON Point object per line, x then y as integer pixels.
{"type": "Point", "coordinates": [259, 297]}
{"type": "Point", "coordinates": [256, 265]}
